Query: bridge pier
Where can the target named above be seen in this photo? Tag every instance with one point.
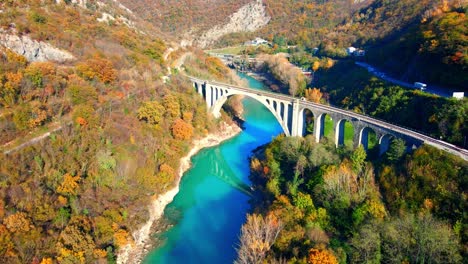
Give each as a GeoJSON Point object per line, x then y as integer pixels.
{"type": "Point", "coordinates": [359, 137]}
{"type": "Point", "coordinates": [295, 118]}
{"type": "Point", "coordinates": [285, 117]}
{"type": "Point", "coordinates": [339, 131]}
{"type": "Point", "coordinates": [208, 95]}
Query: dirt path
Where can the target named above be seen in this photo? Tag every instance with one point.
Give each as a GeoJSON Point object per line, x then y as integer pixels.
{"type": "Point", "coordinates": [31, 141]}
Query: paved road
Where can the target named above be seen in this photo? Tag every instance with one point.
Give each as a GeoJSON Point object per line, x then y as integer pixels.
{"type": "Point", "coordinates": [433, 89]}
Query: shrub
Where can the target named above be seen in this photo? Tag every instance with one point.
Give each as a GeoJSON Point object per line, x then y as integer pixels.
{"type": "Point", "coordinates": [82, 94]}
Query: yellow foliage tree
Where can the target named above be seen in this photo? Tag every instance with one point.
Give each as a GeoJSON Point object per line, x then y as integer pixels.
{"type": "Point", "coordinates": [321, 256]}
{"type": "Point", "coordinates": [99, 253]}
{"type": "Point", "coordinates": [152, 112]}
{"type": "Point", "coordinates": [69, 185]}
{"type": "Point", "coordinates": [187, 116]}
{"type": "Point", "coordinates": [313, 95]}
{"type": "Point", "coordinates": [329, 63]}
{"type": "Point", "coordinates": [121, 238]}
{"type": "Point", "coordinates": [15, 58]}
{"type": "Point", "coordinates": [47, 261]}
{"type": "Point", "coordinates": [315, 66]}
{"type": "Point", "coordinates": [10, 88]}
{"type": "Point", "coordinates": [37, 71]}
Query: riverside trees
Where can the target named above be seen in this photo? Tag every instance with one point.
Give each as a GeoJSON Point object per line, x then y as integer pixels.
{"type": "Point", "coordinates": [346, 208]}
{"type": "Point", "coordinates": [288, 74]}
{"type": "Point", "coordinates": [77, 195]}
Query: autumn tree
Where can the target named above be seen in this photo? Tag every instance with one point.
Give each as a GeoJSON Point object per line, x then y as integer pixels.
{"type": "Point", "coordinates": [313, 95]}
{"type": "Point", "coordinates": [85, 116]}
{"type": "Point", "coordinates": [321, 256]}
{"type": "Point", "coordinates": [315, 66]}
{"type": "Point", "coordinates": [288, 74]}
{"type": "Point", "coordinates": [30, 115]}
{"type": "Point", "coordinates": [6, 245]}
{"type": "Point", "coordinates": [97, 68]}
{"type": "Point", "coordinates": [257, 236]}
{"type": "Point", "coordinates": [69, 185]}
{"type": "Point", "coordinates": [17, 222]}
{"type": "Point", "coordinates": [152, 112]}
{"type": "Point", "coordinates": [75, 244]}
{"type": "Point", "coordinates": [171, 106]}
{"type": "Point", "coordinates": [10, 85]}
{"type": "Point", "coordinates": [182, 130]}
{"type": "Point", "coordinates": [37, 71]}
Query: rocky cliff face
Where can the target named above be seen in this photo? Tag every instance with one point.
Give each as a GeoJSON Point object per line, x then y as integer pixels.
{"type": "Point", "coordinates": [250, 17]}
{"type": "Point", "coordinates": [33, 50]}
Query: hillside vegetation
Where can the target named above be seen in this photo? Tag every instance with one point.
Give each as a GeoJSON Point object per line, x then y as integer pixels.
{"type": "Point", "coordinates": [329, 205]}
{"type": "Point", "coordinates": [77, 195]}
{"type": "Point", "coordinates": [180, 17]}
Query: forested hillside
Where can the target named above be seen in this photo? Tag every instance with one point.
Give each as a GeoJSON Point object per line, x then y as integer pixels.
{"type": "Point", "coordinates": [117, 131]}
{"type": "Point", "coordinates": [319, 204]}
{"type": "Point", "coordinates": [179, 17]}
{"type": "Point", "coordinates": [414, 40]}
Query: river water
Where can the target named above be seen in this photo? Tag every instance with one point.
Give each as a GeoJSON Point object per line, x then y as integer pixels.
{"type": "Point", "coordinates": [212, 202]}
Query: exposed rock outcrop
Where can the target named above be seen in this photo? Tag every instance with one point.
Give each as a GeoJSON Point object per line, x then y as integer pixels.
{"type": "Point", "coordinates": [250, 17]}
{"type": "Point", "coordinates": [34, 50]}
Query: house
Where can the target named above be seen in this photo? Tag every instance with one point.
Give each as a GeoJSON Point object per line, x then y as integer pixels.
{"type": "Point", "coordinates": [257, 41]}
{"type": "Point", "coordinates": [458, 95]}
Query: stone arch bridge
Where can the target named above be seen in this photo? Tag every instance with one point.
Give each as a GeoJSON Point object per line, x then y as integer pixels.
{"type": "Point", "coordinates": [290, 113]}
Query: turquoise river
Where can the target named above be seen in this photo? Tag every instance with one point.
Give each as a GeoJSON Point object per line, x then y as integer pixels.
{"type": "Point", "coordinates": [212, 203]}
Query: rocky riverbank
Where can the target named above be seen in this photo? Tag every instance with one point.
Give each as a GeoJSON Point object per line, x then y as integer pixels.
{"type": "Point", "coordinates": [135, 252]}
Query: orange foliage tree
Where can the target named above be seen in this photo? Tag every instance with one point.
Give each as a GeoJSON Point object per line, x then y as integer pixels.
{"type": "Point", "coordinates": [69, 185]}
{"type": "Point", "coordinates": [17, 222]}
{"type": "Point", "coordinates": [99, 68]}
{"type": "Point", "coordinates": [321, 256]}
{"type": "Point", "coordinates": [182, 130]}
{"type": "Point", "coordinates": [9, 88]}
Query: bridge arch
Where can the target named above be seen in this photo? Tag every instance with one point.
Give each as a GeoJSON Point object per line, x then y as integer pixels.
{"type": "Point", "coordinates": [343, 132]}
{"type": "Point", "coordinates": [384, 142]}
{"type": "Point", "coordinates": [306, 123]}
{"type": "Point", "coordinates": [272, 105]}
{"type": "Point", "coordinates": [368, 138]}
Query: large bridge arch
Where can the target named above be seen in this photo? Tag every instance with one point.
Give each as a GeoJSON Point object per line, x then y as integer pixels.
{"type": "Point", "coordinates": [278, 109]}
{"type": "Point", "coordinates": [306, 122]}
{"type": "Point", "coordinates": [368, 138]}
{"type": "Point", "coordinates": [343, 128]}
